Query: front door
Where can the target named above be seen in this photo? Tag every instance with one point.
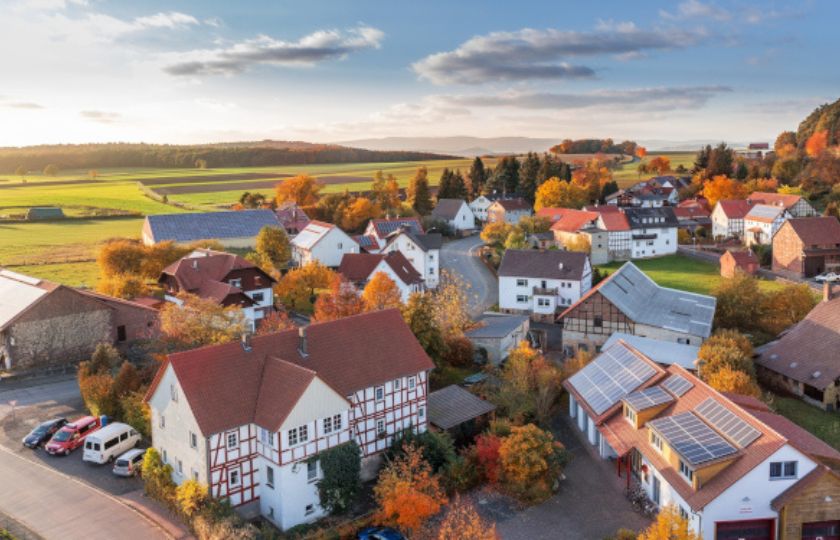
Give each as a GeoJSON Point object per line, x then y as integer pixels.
{"type": "Point", "coordinates": [821, 530]}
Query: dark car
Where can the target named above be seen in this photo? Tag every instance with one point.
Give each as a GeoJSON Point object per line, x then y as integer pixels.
{"type": "Point", "coordinates": [379, 533]}
{"type": "Point", "coordinates": [43, 432]}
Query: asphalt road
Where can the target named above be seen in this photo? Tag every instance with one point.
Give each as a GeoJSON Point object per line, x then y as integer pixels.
{"type": "Point", "coordinates": [460, 257]}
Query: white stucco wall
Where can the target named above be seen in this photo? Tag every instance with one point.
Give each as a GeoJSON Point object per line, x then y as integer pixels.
{"type": "Point", "coordinates": [568, 292]}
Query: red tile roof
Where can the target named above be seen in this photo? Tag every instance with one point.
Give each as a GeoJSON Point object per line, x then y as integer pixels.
{"type": "Point", "coordinates": [816, 230]}
{"type": "Point", "coordinates": [615, 221]}
{"type": "Point", "coordinates": [228, 386]}
{"type": "Point", "coordinates": [567, 219]}
{"type": "Point", "coordinates": [774, 199]}
{"type": "Point", "coordinates": [801, 439]}
{"type": "Point", "coordinates": [690, 212]}
{"type": "Point", "coordinates": [735, 208]}
{"type": "Point", "coordinates": [205, 275]}
{"type": "Point", "coordinates": [358, 267]}
{"type": "Point", "coordinates": [743, 258]}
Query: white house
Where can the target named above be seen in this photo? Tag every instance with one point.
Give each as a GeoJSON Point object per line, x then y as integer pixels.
{"type": "Point", "coordinates": [729, 464]}
{"type": "Point", "coordinates": [421, 250]}
{"type": "Point", "coordinates": [796, 205]}
{"type": "Point", "coordinates": [508, 211]}
{"type": "Point", "coordinates": [251, 419]}
{"type": "Point", "coordinates": [653, 231]}
{"type": "Point", "coordinates": [762, 222]}
{"type": "Point", "coordinates": [359, 269]}
{"type": "Point", "coordinates": [728, 218]}
{"type": "Point", "coordinates": [541, 283]}
{"type": "Point", "coordinates": [456, 213]}
{"type": "Point", "coordinates": [479, 207]}
{"type": "Point", "coordinates": [380, 229]}
{"type": "Point", "coordinates": [322, 242]}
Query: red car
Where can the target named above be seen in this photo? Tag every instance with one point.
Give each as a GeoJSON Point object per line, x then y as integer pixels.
{"type": "Point", "coordinates": [72, 435]}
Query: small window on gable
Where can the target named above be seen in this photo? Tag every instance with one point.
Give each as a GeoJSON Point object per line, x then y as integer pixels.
{"type": "Point", "coordinates": [411, 383]}
{"type": "Point", "coordinates": [328, 427]}
{"type": "Point", "coordinates": [173, 392]}
{"type": "Point", "coordinates": [193, 440]}
{"type": "Point", "coordinates": [379, 393]}
{"type": "Point", "coordinates": [232, 439]}
{"type": "Point", "coordinates": [598, 322]}
{"type": "Point", "coordinates": [235, 283]}
{"type": "Point", "coordinates": [337, 422]}
{"type": "Point", "coordinates": [397, 384]}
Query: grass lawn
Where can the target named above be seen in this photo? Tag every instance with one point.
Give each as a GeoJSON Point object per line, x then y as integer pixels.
{"type": "Point", "coordinates": [679, 272]}
{"type": "Point", "coordinates": [80, 274]}
{"type": "Point", "coordinates": [447, 375]}
{"type": "Point", "coordinates": [825, 425]}
{"type": "Point", "coordinates": [627, 175]}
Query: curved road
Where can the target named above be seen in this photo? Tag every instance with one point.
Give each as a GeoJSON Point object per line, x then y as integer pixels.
{"type": "Point", "coordinates": [460, 257]}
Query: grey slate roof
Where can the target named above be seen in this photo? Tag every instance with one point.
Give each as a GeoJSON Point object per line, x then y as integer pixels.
{"type": "Point", "coordinates": [210, 225]}
{"type": "Point", "coordinates": [447, 208]}
{"type": "Point", "coordinates": [543, 264]}
{"type": "Point", "coordinates": [661, 352]}
{"type": "Point", "coordinates": [647, 218]}
{"type": "Point", "coordinates": [453, 405]}
{"type": "Point", "coordinates": [641, 299]}
{"type": "Point", "coordinates": [496, 326]}
{"type": "Point", "coordinates": [426, 241]}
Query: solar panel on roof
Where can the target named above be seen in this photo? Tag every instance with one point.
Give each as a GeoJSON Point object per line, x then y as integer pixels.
{"type": "Point", "coordinates": [677, 385]}
{"type": "Point", "coordinates": [689, 436]}
{"type": "Point", "coordinates": [612, 375]}
{"type": "Point", "coordinates": [647, 398]}
{"type": "Point", "coordinates": [730, 424]}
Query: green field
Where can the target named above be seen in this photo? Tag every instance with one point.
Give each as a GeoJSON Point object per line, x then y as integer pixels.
{"type": "Point", "coordinates": [627, 175]}
{"type": "Point", "coordinates": [825, 425]}
{"type": "Point", "coordinates": [679, 272]}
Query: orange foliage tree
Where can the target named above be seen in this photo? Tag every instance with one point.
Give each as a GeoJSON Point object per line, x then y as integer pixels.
{"type": "Point", "coordinates": [817, 143]}
{"type": "Point", "coordinates": [530, 462]}
{"type": "Point", "coordinates": [727, 379]}
{"type": "Point", "coordinates": [722, 187]}
{"type": "Point", "coordinates": [669, 525]}
{"type": "Point", "coordinates": [487, 456]}
{"type": "Point", "coordinates": [302, 190]}
{"type": "Point", "coordinates": [592, 177]}
{"type": "Point", "coordinates": [296, 289]}
{"type": "Point", "coordinates": [274, 322]}
{"type": "Point", "coordinates": [762, 184]}
{"type": "Point", "coordinates": [641, 152]}
{"type": "Point", "coordinates": [407, 492]}
{"type": "Point", "coordinates": [341, 301]}
{"type": "Point", "coordinates": [381, 293]}
{"type": "Point", "coordinates": [462, 521]}
{"type": "Point", "coordinates": [200, 321]}
{"type": "Point", "coordinates": [357, 213]}
{"type": "Point", "coordinates": [659, 164]}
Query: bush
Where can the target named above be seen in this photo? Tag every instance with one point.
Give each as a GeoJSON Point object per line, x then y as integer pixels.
{"type": "Point", "coordinates": [437, 448]}
{"type": "Point", "coordinates": [530, 463]}
{"type": "Point", "coordinates": [459, 351]}
{"type": "Point", "coordinates": [230, 528]}
{"type": "Point", "coordinates": [135, 412]}
{"type": "Point", "coordinates": [342, 482]}
{"type": "Point", "coordinates": [461, 474]}
{"type": "Point", "coordinates": [157, 478]}
{"type": "Point", "coordinates": [190, 497]}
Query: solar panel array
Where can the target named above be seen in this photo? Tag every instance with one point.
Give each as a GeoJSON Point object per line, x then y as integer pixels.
{"type": "Point", "coordinates": [612, 375]}
{"type": "Point", "coordinates": [647, 398]}
{"type": "Point", "coordinates": [677, 385]}
{"type": "Point", "coordinates": [731, 425]}
{"type": "Point", "coordinates": [695, 441]}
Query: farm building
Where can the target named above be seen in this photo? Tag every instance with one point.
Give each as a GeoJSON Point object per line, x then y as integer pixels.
{"type": "Point", "coordinates": [44, 212]}
{"type": "Point", "coordinates": [498, 334]}
{"type": "Point", "coordinates": [231, 229]}
{"type": "Point", "coordinates": [459, 412]}
{"type": "Point", "coordinates": [733, 261]}
{"type": "Point", "coordinates": [806, 247]}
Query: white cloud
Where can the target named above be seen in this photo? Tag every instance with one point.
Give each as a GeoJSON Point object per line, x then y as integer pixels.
{"type": "Point", "coordinates": [170, 20]}
{"type": "Point", "coordinates": [103, 117]}
{"type": "Point", "coordinates": [692, 9]}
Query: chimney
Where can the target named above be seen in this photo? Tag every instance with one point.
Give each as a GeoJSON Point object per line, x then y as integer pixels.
{"type": "Point", "coordinates": [195, 263]}
{"type": "Point", "coordinates": [246, 342]}
{"type": "Point", "coordinates": [827, 291]}
{"type": "Point", "coordinates": [302, 346]}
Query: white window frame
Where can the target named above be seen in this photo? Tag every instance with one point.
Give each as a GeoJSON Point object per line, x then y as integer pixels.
{"type": "Point", "coordinates": [193, 440]}
{"type": "Point", "coordinates": [380, 427]}
{"type": "Point", "coordinates": [327, 425]}
{"type": "Point", "coordinates": [269, 476]}
{"type": "Point", "coordinates": [783, 465]}
{"type": "Point", "coordinates": [379, 393]}
{"type": "Point", "coordinates": [173, 392]}
{"type": "Point", "coordinates": [231, 440]}
{"type": "Point", "coordinates": [337, 422]}
{"type": "Point", "coordinates": [411, 383]}
{"type": "Point", "coordinates": [235, 473]}
{"type": "Point", "coordinates": [397, 383]}
{"type": "Point", "coordinates": [521, 282]}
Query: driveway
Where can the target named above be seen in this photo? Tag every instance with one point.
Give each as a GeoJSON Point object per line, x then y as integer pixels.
{"type": "Point", "coordinates": [460, 257]}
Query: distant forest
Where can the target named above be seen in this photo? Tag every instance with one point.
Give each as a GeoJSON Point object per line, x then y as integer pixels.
{"type": "Point", "coordinates": [594, 146]}
{"type": "Point", "coordinates": [242, 154]}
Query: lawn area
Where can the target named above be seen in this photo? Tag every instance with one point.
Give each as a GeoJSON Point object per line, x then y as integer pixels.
{"type": "Point", "coordinates": [679, 272]}
{"type": "Point", "coordinates": [627, 175]}
{"type": "Point", "coordinates": [80, 274]}
{"type": "Point", "coordinates": [825, 425]}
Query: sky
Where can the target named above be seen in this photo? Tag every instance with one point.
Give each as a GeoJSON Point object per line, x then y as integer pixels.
{"type": "Point", "coordinates": [76, 71]}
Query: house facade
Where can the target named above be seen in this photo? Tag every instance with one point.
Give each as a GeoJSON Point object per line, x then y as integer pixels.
{"type": "Point", "coordinates": [732, 262]}
{"type": "Point", "coordinates": [479, 207]}
{"type": "Point", "coordinates": [498, 334]}
{"type": "Point", "coordinates": [653, 231]}
{"type": "Point", "coordinates": [225, 278]}
{"type": "Point", "coordinates": [231, 229]}
{"type": "Point", "coordinates": [421, 250]}
{"type": "Point", "coordinates": [729, 468]}
{"type": "Point", "coordinates": [251, 419]}
{"type": "Point", "coordinates": [381, 229]}
{"type": "Point", "coordinates": [456, 213]}
{"type": "Point", "coordinates": [728, 218]}
{"type": "Point", "coordinates": [359, 269]}
{"type": "Point", "coordinates": [795, 205]}
{"type": "Point", "coordinates": [540, 283]}
{"type": "Point", "coordinates": [322, 242]}
{"type": "Point", "coordinates": [806, 247]}
{"type": "Point", "coordinates": [762, 222]}
{"type": "Point", "coordinates": [508, 211]}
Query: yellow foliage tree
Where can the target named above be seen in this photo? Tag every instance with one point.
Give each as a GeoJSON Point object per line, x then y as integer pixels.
{"type": "Point", "coordinates": [669, 525]}
{"type": "Point", "coordinates": [786, 307]}
{"type": "Point", "coordinates": [558, 193]}
{"type": "Point", "coordinates": [462, 521]}
{"type": "Point", "coordinates": [296, 289]}
{"type": "Point", "coordinates": [727, 379]}
{"type": "Point", "coordinates": [191, 496]}
{"type": "Point", "coordinates": [200, 321]}
{"type": "Point", "coordinates": [302, 190]}
{"type": "Point", "coordinates": [722, 187]}
{"type": "Point", "coordinates": [530, 462]}
{"type": "Point", "coordinates": [381, 293]}
{"type": "Point", "coordinates": [495, 234]}
{"type": "Point", "coordinates": [126, 286]}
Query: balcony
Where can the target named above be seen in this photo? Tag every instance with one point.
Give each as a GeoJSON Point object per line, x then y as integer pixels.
{"type": "Point", "coordinates": [645, 236]}
{"type": "Point", "coordinates": [545, 291]}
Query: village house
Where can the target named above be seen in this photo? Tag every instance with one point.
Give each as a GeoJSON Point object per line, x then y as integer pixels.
{"type": "Point", "coordinates": [540, 283]}
{"type": "Point", "coordinates": [728, 218]}
{"type": "Point", "coordinates": [804, 359]}
{"type": "Point", "coordinates": [380, 229]}
{"type": "Point", "coordinates": [692, 218]}
{"type": "Point", "coordinates": [653, 231]}
{"type": "Point", "coordinates": [573, 227]}
{"type": "Point", "coordinates": [479, 207]}
{"type": "Point", "coordinates": [806, 247]}
{"type": "Point", "coordinates": [322, 242]}
{"type": "Point", "coordinates": [734, 261]}
{"type": "Point", "coordinates": [359, 269]}
{"type": "Point", "coordinates": [732, 468]}
{"type": "Point", "coordinates": [629, 301]}
{"type": "Point", "coordinates": [497, 334]}
{"type": "Point", "coordinates": [44, 324]}
{"type": "Point", "coordinates": [456, 213]}
{"type": "Point", "coordinates": [508, 211]}
{"type": "Point", "coordinates": [612, 220]}
{"type": "Point", "coordinates": [227, 279]}
{"type": "Point", "coordinates": [762, 222]}
{"type": "Point", "coordinates": [231, 229]}
{"type": "Point", "coordinates": [663, 353]}
{"type": "Point", "coordinates": [292, 218]}
{"type": "Point", "coordinates": [421, 250]}
{"type": "Point", "coordinates": [251, 419]}
{"type": "Point", "coordinates": [795, 205]}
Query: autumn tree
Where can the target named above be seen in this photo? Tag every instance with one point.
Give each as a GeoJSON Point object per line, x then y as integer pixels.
{"type": "Point", "coordinates": [419, 314]}
{"type": "Point", "coordinates": [669, 525]}
{"type": "Point", "coordinates": [487, 456]}
{"type": "Point", "coordinates": [302, 190]}
{"type": "Point", "coordinates": [495, 234]}
{"type": "Point", "coordinates": [51, 170]}
{"type": "Point", "coordinates": [386, 192]}
{"type": "Point", "coordinates": [591, 177]}
{"type": "Point", "coordinates": [450, 301]}
{"type": "Point", "coordinates": [126, 286]}
{"type": "Point", "coordinates": [641, 152]}
{"type": "Point", "coordinates": [762, 185]}
{"type": "Point", "coordinates": [191, 496]}
{"type": "Point", "coordinates": [530, 385]}
{"type": "Point", "coordinates": [200, 321]}
{"type": "Point", "coordinates": [659, 165]}
{"type": "Point", "coordinates": [740, 303]}
{"type": "Point", "coordinates": [727, 379]}
{"type": "Point", "coordinates": [381, 293]}
{"type": "Point", "coordinates": [816, 143]}
{"type": "Point", "coordinates": [273, 246]}
{"type": "Point", "coordinates": [160, 255]}
{"type": "Point", "coordinates": [120, 257]}
{"type": "Point", "coordinates": [407, 493]}
{"type": "Point", "coordinates": [530, 462]}
{"type": "Point", "coordinates": [577, 242]}
{"type": "Point", "coordinates": [558, 193]}
{"type": "Point", "coordinates": [516, 239]}
{"type": "Point", "coordinates": [296, 289]}
{"type": "Point", "coordinates": [275, 321]}
{"type": "Point", "coordinates": [725, 349]}
{"type": "Point", "coordinates": [358, 213]}
{"type": "Point", "coordinates": [419, 196]}
{"type": "Point", "coordinates": [462, 521]}
{"type": "Point", "coordinates": [785, 307]}
{"type": "Point", "coordinates": [341, 301]}
{"type": "Point", "coordinates": [722, 187]}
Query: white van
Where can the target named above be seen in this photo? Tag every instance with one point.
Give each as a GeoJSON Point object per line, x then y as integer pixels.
{"type": "Point", "coordinates": [109, 442]}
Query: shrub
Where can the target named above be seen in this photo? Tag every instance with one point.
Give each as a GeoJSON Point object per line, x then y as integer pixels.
{"type": "Point", "coordinates": [487, 456]}
{"type": "Point", "coordinates": [461, 474]}
{"type": "Point", "coordinates": [190, 497]}
{"type": "Point", "coordinates": [459, 351]}
{"type": "Point", "coordinates": [136, 413]}
{"type": "Point", "coordinates": [342, 467]}
{"type": "Point", "coordinates": [530, 463]}
{"type": "Point", "coordinates": [437, 448]}
{"type": "Point", "coordinates": [157, 478]}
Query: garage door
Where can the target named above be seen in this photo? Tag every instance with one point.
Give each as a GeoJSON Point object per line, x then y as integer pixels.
{"type": "Point", "coordinates": [821, 530]}
{"type": "Point", "coordinates": [760, 529]}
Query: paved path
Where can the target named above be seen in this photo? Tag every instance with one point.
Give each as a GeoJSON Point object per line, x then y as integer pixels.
{"type": "Point", "coordinates": [460, 257]}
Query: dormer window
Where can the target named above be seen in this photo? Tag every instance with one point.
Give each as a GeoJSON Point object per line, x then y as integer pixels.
{"type": "Point", "coordinates": [656, 441]}
{"type": "Point", "coordinates": [235, 282]}
{"type": "Point", "coordinates": [630, 415]}
{"type": "Point", "coordinates": [687, 473]}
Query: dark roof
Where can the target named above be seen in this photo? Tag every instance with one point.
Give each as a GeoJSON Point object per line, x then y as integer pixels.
{"type": "Point", "coordinates": [228, 386]}
{"type": "Point", "coordinates": [549, 264]}
{"type": "Point", "coordinates": [808, 352]}
{"type": "Point", "coordinates": [817, 230]}
{"type": "Point", "coordinates": [292, 217]}
{"type": "Point", "coordinates": [643, 218]}
{"type": "Point", "coordinates": [447, 208]}
{"type": "Point", "coordinates": [44, 212]}
{"type": "Point", "coordinates": [514, 204]}
{"type": "Point", "coordinates": [493, 325]}
{"type": "Point", "coordinates": [210, 225]}
{"type": "Point", "coordinates": [384, 227]}
{"type": "Point", "coordinates": [425, 241]}
{"type": "Point", "coordinates": [204, 273]}
{"type": "Point", "coordinates": [452, 406]}
{"type": "Point", "coordinates": [357, 267]}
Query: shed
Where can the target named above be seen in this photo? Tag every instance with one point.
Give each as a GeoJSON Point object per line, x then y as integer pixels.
{"type": "Point", "coordinates": [732, 261]}
{"type": "Point", "coordinates": [44, 212]}
{"type": "Point", "coordinates": [498, 334]}
{"type": "Point", "coordinates": [458, 411]}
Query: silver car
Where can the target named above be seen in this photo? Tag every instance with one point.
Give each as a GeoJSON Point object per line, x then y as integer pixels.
{"type": "Point", "coordinates": [129, 463]}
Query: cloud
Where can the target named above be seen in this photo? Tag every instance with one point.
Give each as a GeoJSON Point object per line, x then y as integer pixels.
{"type": "Point", "coordinates": [103, 117]}
{"type": "Point", "coordinates": [308, 50]}
{"type": "Point", "coordinates": [23, 105]}
{"type": "Point", "coordinates": [659, 98]}
{"type": "Point", "coordinates": [170, 20]}
{"type": "Point", "coordinates": [542, 54]}
{"type": "Point", "coordinates": [694, 9]}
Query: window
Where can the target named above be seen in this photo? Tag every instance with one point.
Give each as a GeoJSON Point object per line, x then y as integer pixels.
{"type": "Point", "coordinates": [173, 392]}
{"type": "Point", "coordinates": [630, 414]}
{"type": "Point", "coordinates": [686, 472]}
{"type": "Point", "coordinates": [310, 508]}
{"type": "Point", "coordinates": [234, 478]}
{"type": "Point", "coordinates": [421, 412]}
{"type": "Point", "coordinates": [121, 335]}
{"type": "Point", "coordinates": [380, 427]}
{"type": "Point", "coordinates": [303, 433]}
{"type": "Point", "coordinates": [656, 441]}
{"type": "Point", "coordinates": [232, 439]}
{"type": "Point", "coordinates": [397, 384]}
{"type": "Point", "coordinates": [267, 437]}
{"type": "Point", "coordinates": [162, 422]}
{"type": "Point", "coordinates": [598, 322]}
{"type": "Point", "coordinates": [269, 477]}
{"type": "Point", "coordinates": [521, 299]}
{"type": "Point", "coordinates": [180, 468]}
{"type": "Point", "coordinates": [780, 470]}
{"type": "Point", "coordinates": [258, 297]}
{"type": "Point", "coordinates": [193, 440]}
{"type": "Point", "coordinates": [235, 282]}
{"type": "Point", "coordinates": [411, 383]}
{"type": "Point", "coordinates": [293, 436]}
{"type": "Point", "coordinates": [521, 282]}
{"type": "Point", "coordinates": [311, 471]}
{"type": "Point", "coordinates": [165, 457]}
{"type": "Point", "coordinates": [337, 422]}
{"type": "Point", "coordinates": [340, 245]}
{"type": "Point", "coordinates": [379, 393]}
{"type": "Point", "coordinates": [684, 341]}
{"type": "Point", "coordinates": [544, 302]}
{"type": "Point", "coordinates": [195, 475]}
{"type": "Point", "coordinates": [328, 425]}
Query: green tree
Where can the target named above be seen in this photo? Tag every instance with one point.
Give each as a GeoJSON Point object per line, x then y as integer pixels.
{"type": "Point", "coordinates": [740, 303]}
{"type": "Point", "coordinates": [552, 167]}
{"type": "Point", "coordinates": [528, 177]}
{"type": "Point", "coordinates": [273, 246]}
{"type": "Point", "coordinates": [419, 195]}
{"type": "Point", "coordinates": [341, 482]}
{"type": "Point", "coordinates": [437, 447]}
{"type": "Point", "coordinates": [419, 314]}
{"type": "Point", "coordinates": [477, 177]}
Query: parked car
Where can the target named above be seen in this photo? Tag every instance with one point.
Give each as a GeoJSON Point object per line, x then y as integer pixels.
{"type": "Point", "coordinates": [379, 533]}
{"type": "Point", "coordinates": [130, 463]}
{"type": "Point", "coordinates": [43, 432]}
{"type": "Point", "coordinates": [72, 435]}
{"type": "Point", "coordinates": [827, 277]}
{"type": "Point", "coordinates": [109, 442]}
